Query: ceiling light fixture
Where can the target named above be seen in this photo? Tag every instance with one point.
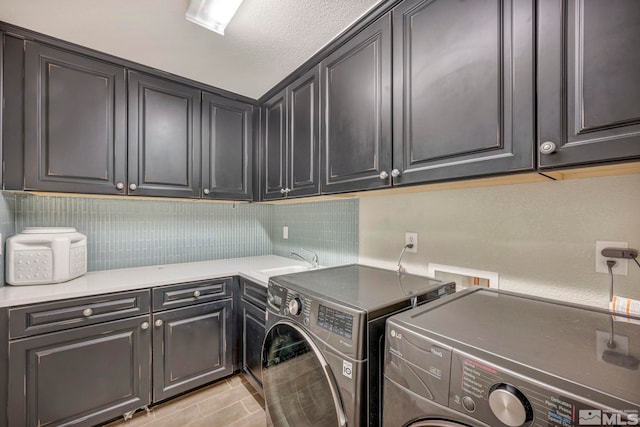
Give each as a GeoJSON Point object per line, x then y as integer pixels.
{"type": "Point", "coordinates": [212, 14]}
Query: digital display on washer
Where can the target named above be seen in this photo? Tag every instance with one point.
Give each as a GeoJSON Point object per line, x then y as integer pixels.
{"type": "Point", "coordinates": [335, 321]}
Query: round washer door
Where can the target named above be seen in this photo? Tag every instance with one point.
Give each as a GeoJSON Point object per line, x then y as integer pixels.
{"type": "Point", "coordinates": [299, 388]}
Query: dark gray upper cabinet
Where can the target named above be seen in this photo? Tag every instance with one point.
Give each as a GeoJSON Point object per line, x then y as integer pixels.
{"type": "Point", "coordinates": [291, 133]}
{"type": "Point", "coordinates": [164, 137]}
{"type": "Point", "coordinates": [273, 122]}
{"type": "Point", "coordinates": [588, 88]}
{"type": "Point", "coordinates": [463, 100]}
{"type": "Point", "coordinates": [227, 135]}
{"type": "Point", "coordinates": [356, 112]}
{"type": "Point", "coordinates": [74, 122]}
{"type": "Point", "coordinates": [303, 112]}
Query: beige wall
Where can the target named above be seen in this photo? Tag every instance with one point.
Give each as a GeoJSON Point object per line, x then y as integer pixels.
{"type": "Point", "coordinates": [539, 237]}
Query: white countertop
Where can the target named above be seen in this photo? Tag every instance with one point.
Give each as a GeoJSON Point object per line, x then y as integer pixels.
{"type": "Point", "coordinates": [127, 279]}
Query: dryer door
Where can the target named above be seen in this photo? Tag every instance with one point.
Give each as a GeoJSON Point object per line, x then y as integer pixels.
{"type": "Point", "coordinates": [299, 387]}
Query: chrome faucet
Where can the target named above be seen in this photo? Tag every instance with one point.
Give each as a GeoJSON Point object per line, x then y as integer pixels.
{"type": "Point", "coordinates": [314, 261]}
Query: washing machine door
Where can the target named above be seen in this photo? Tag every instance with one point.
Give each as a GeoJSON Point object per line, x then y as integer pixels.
{"type": "Point", "coordinates": [299, 387]}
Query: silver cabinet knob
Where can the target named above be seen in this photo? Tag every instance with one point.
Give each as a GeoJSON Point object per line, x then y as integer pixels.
{"type": "Point", "coordinates": [205, 191]}
{"type": "Point", "coordinates": [87, 312]}
{"type": "Point", "coordinates": [144, 325]}
{"type": "Point", "coordinates": [384, 175]}
{"type": "Point", "coordinates": [196, 294]}
{"type": "Point", "coordinates": [395, 173]}
{"type": "Point", "coordinates": [120, 186]}
{"type": "Point", "coordinates": [132, 187]}
{"type": "Point", "coordinates": [283, 191]}
{"type": "Point", "coordinates": [548, 147]}
{"type": "Point", "coordinates": [158, 322]}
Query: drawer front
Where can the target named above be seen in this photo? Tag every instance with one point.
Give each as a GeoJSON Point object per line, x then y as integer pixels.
{"type": "Point", "coordinates": [58, 315]}
{"type": "Point", "coordinates": [254, 293]}
{"type": "Point", "coordinates": [185, 294]}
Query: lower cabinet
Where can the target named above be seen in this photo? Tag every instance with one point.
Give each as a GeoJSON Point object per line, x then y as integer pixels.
{"type": "Point", "coordinates": [191, 347]}
{"type": "Point", "coordinates": [79, 375]}
{"type": "Point", "coordinates": [85, 361]}
{"type": "Point", "coordinates": [253, 307]}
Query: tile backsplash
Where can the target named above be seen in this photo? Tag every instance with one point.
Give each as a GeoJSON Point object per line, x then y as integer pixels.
{"type": "Point", "coordinates": [130, 232]}
{"type": "Point", "coordinates": [330, 228]}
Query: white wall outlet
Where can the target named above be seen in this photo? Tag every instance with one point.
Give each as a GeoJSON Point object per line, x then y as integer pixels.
{"type": "Point", "coordinates": [620, 268]}
{"type": "Point", "coordinates": [411, 238]}
{"type": "Point", "coordinates": [285, 232]}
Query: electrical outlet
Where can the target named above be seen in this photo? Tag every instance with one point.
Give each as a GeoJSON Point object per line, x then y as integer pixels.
{"type": "Point", "coordinates": [411, 238]}
{"type": "Point", "coordinates": [621, 267]}
{"type": "Point", "coordinates": [285, 232]}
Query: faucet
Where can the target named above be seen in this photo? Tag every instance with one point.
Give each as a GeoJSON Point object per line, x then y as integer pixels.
{"type": "Point", "coordinates": [314, 261]}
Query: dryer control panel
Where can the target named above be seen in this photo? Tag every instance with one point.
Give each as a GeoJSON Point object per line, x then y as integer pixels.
{"type": "Point", "coordinates": [500, 397]}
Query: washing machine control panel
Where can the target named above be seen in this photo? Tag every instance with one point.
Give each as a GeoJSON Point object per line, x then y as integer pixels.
{"type": "Point", "coordinates": [496, 396]}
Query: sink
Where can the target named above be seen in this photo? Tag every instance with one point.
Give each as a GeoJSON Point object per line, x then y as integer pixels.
{"type": "Point", "coordinates": [284, 270]}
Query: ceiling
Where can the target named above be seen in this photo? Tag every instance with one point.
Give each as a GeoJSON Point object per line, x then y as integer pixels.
{"type": "Point", "coordinates": [265, 41]}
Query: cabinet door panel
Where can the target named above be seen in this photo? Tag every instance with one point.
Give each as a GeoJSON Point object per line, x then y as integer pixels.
{"type": "Point", "coordinates": [80, 377]}
{"type": "Point", "coordinates": [589, 96]}
{"type": "Point", "coordinates": [164, 137]}
{"type": "Point", "coordinates": [304, 126]}
{"type": "Point", "coordinates": [356, 97]}
{"type": "Point", "coordinates": [274, 145]}
{"type": "Point", "coordinates": [227, 129]}
{"type": "Point", "coordinates": [191, 347]}
{"type": "Point", "coordinates": [463, 98]}
{"type": "Point", "coordinates": [253, 332]}
{"type": "Point", "coordinates": [75, 126]}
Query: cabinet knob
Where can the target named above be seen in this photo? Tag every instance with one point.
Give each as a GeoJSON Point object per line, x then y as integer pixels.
{"type": "Point", "coordinates": [205, 191]}
{"type": "Point", "coordinates": [285, 190]}
{"type": "Point", "coordinates": [395, 173]}
{"type": "Point", "coordinates": [196, 294]}
{"type": "Point", "coordinates": [548, 147]}
{"type": "Point", "coordinates": [144, 325]}
{"type": "Point", "coordinates": [87, 312]}
{"type": "Point", "coordinates": [120, 186]}
{"type": "Point", "coordinates": [384, 175]}
{"type": "Point", "coordinates": [132, 187]}
{"type": "Point", "coordinates": [158, 322]}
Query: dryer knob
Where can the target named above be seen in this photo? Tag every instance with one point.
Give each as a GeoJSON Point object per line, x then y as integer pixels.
{"type": "Point", "coordinates": [510, 406]}
{"type": "Point", "coordinates": [295, 306]}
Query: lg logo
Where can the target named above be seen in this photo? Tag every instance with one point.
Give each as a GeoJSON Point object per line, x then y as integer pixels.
{"type": "Point", "coordinates": [395, 334]}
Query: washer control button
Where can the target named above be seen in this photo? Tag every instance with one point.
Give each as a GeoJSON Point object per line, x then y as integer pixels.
{"type": "Point", "coordinates": [468, 404]}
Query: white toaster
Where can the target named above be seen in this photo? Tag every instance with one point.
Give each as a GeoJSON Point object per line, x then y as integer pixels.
{"type": "Point", "coordinates": [44, 255]}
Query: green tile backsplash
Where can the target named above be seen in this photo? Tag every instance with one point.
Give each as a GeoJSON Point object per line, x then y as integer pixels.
{"type": "Point", "coordinates": [126, 232]}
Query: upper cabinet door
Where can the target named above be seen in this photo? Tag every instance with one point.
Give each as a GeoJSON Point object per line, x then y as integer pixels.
{"type": "Point", "coordinates": [356, 112]}
{"type": "Point", "coordinates": [274, 146]}
{"type": "Point", "coordinates": [303, 100]}
{"type": "Point", "coordinates": [75, 123]}
{"type": "Point", "coordinates": [227, 129]}
{"type": "Point", "coordinates": [589, 92]}
{"type": "Point", "coordinates": [463, 89]}
{"type": "Point", "coordinates": [164, 138]}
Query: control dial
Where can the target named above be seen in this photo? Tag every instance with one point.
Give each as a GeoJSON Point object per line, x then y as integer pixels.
{"type": "Point", "coordinates": [509, 405]}
{"type": "Point", "coordinates": [295, 306]}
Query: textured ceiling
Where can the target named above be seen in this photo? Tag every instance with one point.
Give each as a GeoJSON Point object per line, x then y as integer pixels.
{"type": "Point", "coordinates": [266, 40]}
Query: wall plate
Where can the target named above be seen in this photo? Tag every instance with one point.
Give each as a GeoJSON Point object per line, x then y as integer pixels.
{"type": "Point", "coordinates": [621, 267]}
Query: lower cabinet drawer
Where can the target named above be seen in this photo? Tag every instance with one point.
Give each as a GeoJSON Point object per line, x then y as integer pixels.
{"type": "Point", "coordinates": [80, 377]}
{"type": "Point", "coordinates": [61, 315]}
{"type": "Point", "coordinates": [185, 294]}
{"type": "Point", "coordinates": [191, 347]}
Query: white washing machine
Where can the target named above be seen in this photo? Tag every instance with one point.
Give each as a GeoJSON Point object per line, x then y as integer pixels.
{"type": "Point", "coordinates": [485, 358]}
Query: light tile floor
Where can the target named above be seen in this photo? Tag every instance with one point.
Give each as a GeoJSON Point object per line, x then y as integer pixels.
{"type": "Point", "coordinates": [229, 403]}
